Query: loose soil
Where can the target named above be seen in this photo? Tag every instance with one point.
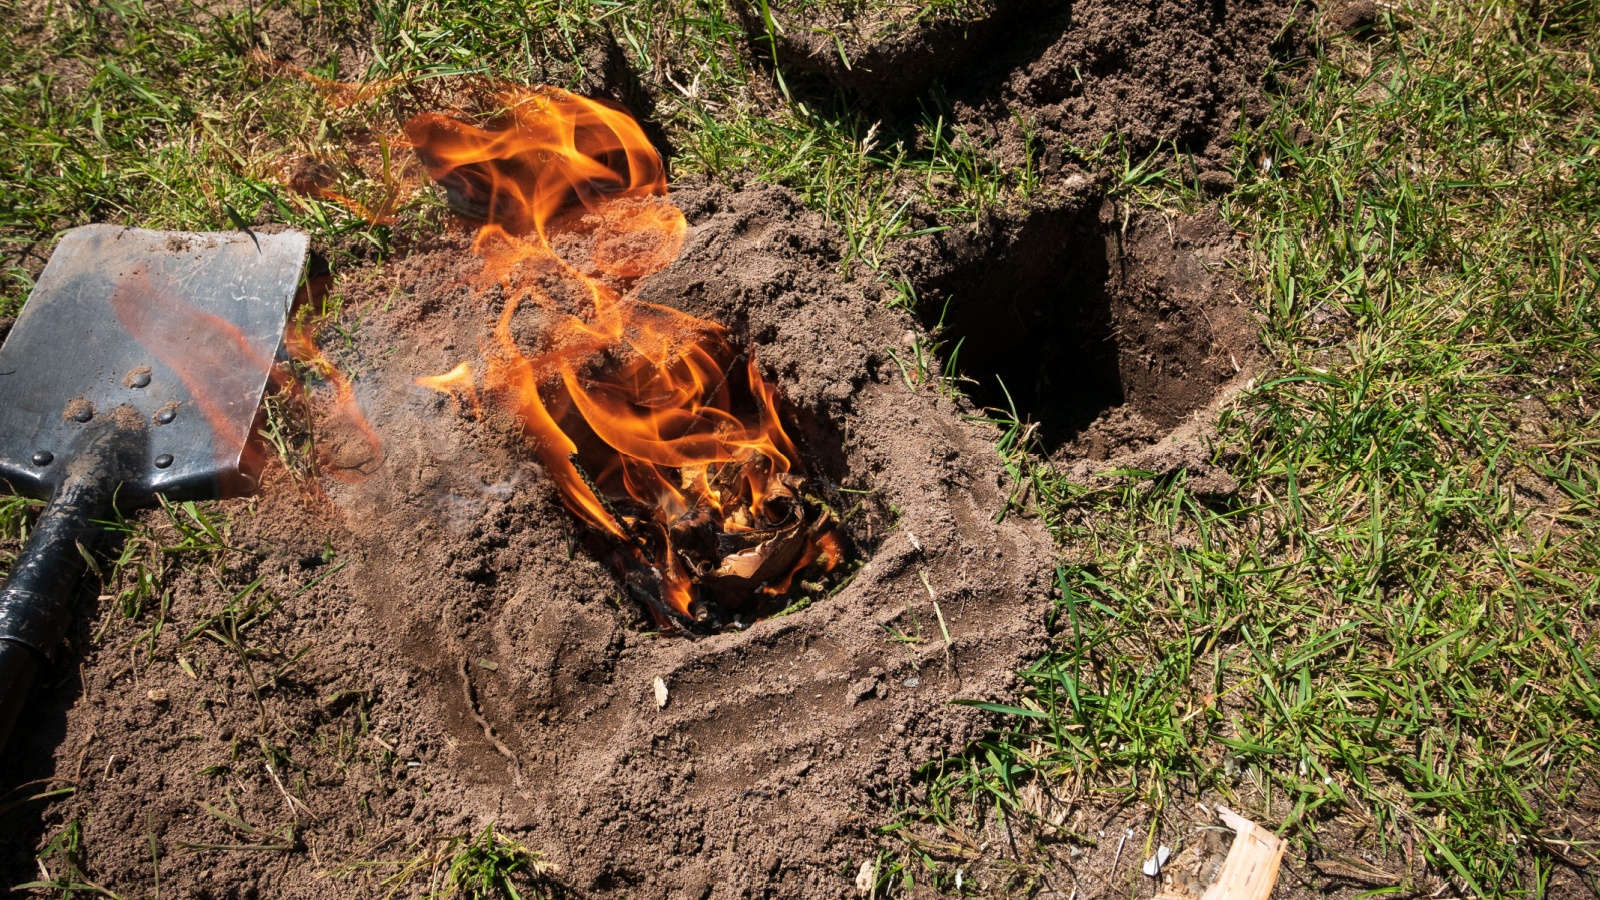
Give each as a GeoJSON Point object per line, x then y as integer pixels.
{"type": "Point", "coordinates": [443, 651]}
{"type": "Point", "coordinates": [418, 642]}
{"type": "Point", "coordinates": [472, 663]}
{"type": "Point", "coordinates": [1153, 71]}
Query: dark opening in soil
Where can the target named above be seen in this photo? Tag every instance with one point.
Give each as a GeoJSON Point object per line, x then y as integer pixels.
{"type": "Point", "coordinates": [1034, 326]}
{"type": "Point", "coordinates": [1105, 336]}
{"type": "Point", "coordinates": [823, 491]}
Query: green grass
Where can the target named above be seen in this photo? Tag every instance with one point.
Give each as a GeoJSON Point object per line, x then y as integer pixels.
{"type": "Point", "coordinates": [61, 866]}
{"type": "Point", "coordinates": [486, 866]}
{"type": "Point", "coordinates": [116, 113]}
{"type": "Point", "coordinates": [1389, 627]}
{"type": "Point", "coordinates": [166, 119]}
{"type": "Point", "coordinates": [1385, 629]}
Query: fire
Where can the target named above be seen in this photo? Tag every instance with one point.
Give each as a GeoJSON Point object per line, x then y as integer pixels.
{"type": "Point", "coordinates": [655, 429]}
{"type": "Point", "coordinates": [203, 350]}
{"type": "Point", "coordinates": [350, 449]}
{"type": "Point", "coordinates": [458, 384]}
{"type": "Point", "coordinates": [216, 362]}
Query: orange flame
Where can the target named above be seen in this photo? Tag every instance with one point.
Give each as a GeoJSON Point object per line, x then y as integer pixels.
{"type": "Point", "coordinates": [458, 384]}
{"type": "Point", "coordinates": [205, 351]}
{"type": "Point", "coordinates": [633, 408]}
{"type": "Point", "coordinates": [216, 364]}
{"type": "Point", "coordinates": [350, 448]}
{"type": "Point", "coordinates": [339, 94]}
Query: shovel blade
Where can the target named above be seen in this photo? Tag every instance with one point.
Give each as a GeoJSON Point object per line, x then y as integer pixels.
{"type": "Point", "coordinates": [168, 337]}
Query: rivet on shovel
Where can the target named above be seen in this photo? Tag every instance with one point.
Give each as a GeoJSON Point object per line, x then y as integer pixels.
{"type": "Point", "coordinates": [188, 287]}
{"type": "Point", "coordinates": [166, 416]}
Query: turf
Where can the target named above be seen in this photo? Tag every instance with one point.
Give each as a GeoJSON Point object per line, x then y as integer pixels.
{"type": "Point", "coordinates": [1383, 636]}
{"type": "Point", "coordinates": [1388, 631]}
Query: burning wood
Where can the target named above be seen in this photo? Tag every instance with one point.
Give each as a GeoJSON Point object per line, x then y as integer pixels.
{"type": "Point", "coordinates": [658, 433]}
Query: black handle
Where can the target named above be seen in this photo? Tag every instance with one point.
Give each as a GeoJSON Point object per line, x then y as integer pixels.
{"type": "Point", "coordinates": [36, 601]}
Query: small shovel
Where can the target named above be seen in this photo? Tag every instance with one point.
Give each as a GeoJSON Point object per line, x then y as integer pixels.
{"type": "Point", "coordinates": [136, 368]}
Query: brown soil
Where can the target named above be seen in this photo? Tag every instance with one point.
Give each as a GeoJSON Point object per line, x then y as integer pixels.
{"type": "Point", "coordinates": [428, 645]}
{"type": "Point", "coordinates": [471, 663]}
{"type": "Point", "coordinates": [881, 53]}
{"type": "Point", "coordinates": [1116, 334]}
{"type": "Point", "coordinates": [1152, 70]}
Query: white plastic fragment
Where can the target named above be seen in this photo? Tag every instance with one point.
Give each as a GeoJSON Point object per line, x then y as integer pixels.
{"type": "Point", "coordinates": [1152, 866]}
{"type": "Point", "coordinates": [1120, 844]}
{"type": "Point", "coordinates": [661, 693]}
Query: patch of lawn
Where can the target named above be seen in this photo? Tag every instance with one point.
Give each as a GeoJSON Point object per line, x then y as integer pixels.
{"type": "Point", "coordinates": [1388, 630]}
{"type": "Point", "coordinates": [176, 119]}
{"type": "Point", "coordinates": [487, 866]}
{"type": "Point", "coordinates": [1385, 630]}
{"type": "Point", "coordinates": [117, 113]}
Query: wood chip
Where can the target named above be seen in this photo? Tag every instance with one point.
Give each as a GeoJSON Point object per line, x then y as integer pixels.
{"type": "Point", "coordinates": [1251, 869]}
{"type": "Point", "coordinates": [661, 693]}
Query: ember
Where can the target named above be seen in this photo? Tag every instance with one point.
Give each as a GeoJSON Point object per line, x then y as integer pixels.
{"type": "Point", "coordinates": [658, 433]}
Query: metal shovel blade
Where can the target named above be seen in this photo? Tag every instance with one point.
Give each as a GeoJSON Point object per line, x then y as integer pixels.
{"type": "Point", "coordinates": [136, 368]}
{"type": "Point", "coordinates": [167, 337]}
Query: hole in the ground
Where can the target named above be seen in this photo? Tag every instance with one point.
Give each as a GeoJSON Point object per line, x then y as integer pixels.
{"type": "Point", "coordinates": [1107, 338]}
{"type": "Point", "coordinates": [745, 567]}
{"type": "Point", "coordinates": [1031, 327]}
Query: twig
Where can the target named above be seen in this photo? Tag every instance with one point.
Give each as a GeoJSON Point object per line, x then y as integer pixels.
{"type": "Point", "coordinates": [943, 628]}
{"type": "Point", "coordinates": [291, 800]}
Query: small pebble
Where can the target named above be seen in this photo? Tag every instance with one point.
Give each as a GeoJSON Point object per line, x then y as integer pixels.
{"type": "Point", "coordinates": [661, 693]}
{"type": "Point", "coordinates": [1152, 866]}
{"type": "Point", "coordinates": [867, 877]}
{"type": "Point", "coordinates": [911, 682]}
{"type": "Point", "coordinates": [157, 695]}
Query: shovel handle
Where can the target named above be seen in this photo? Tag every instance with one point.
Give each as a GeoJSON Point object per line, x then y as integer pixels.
{"type": "Point", "coordinates": [37, 599]}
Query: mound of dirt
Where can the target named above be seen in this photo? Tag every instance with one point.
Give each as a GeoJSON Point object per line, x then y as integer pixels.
{"type": "Point", "coordinates": [440, 652]}
{"type": "Point", "coordinates": [1152, 70]}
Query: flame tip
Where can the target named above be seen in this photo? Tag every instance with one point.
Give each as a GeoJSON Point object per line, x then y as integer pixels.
{"type": "Point", "coordinates": [623, 399]}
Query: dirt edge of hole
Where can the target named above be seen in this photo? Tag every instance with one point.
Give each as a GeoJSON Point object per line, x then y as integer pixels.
{"type": "Point", "coordinates": [1116, 333]}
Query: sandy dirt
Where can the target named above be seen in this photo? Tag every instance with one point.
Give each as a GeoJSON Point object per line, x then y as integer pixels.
{"type": "Point", "coordinates": [497, 669]}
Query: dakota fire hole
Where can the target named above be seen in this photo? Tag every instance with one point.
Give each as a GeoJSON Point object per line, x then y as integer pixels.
{"type": "Point", "coordinates": [1034, 325]}
{"type": "Point", "coordinates": [665, 439]}
{"type": "Point", "coordinates": [1107, 336]}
